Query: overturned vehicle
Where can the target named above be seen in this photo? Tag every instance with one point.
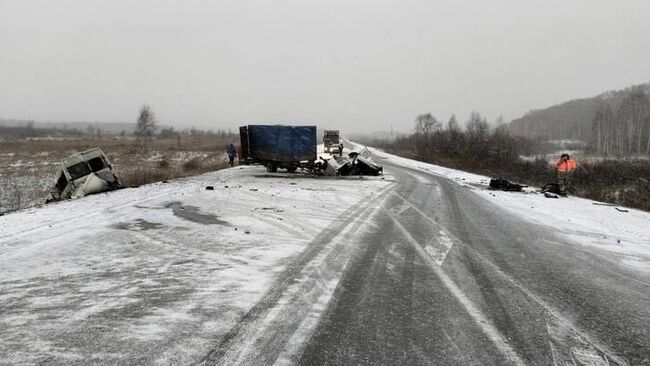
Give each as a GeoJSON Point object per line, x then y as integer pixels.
{"type": "Point", "coordinates": [84, 173]}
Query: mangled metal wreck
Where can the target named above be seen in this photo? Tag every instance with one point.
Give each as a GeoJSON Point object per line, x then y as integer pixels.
{"type": "Point", "coordinates": [356, 163]}
{"type": "Point", "coordinates": [82, 174]}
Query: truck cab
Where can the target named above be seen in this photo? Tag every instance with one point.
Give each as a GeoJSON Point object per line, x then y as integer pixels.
{"type": "Point", "coordinates": [331, 138]}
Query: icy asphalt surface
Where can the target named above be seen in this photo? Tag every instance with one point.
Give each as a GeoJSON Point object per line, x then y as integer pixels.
{"type": "Point", "coordinates": [411, 269]}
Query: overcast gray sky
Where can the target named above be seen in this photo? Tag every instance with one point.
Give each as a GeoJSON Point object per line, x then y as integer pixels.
{"type": "Point", "coordinates": [349, 64]}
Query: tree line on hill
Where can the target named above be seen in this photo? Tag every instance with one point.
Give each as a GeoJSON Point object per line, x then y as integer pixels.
{"type": "Point", "coordinates": [612, 122]}
{"type": "Point", "coordinates": [476, 145]}
{"type": "Point", "coordinates": [624, 129]}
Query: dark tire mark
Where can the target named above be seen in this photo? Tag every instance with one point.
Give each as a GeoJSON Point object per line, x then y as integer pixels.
{"type": "Point", "coordinates": [280, 285]}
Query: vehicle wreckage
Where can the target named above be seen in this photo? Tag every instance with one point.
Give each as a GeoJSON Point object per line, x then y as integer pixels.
{"type": "Point", "coordinates": [294, 147]}
{"type": "Point", "coordinates": [356, 163]}
{"type": "Point", "coordinates": [82, 174]}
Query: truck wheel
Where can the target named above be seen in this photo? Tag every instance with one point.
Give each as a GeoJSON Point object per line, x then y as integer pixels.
{"type": "Point", "coordinates": [292, 168]}
{"type": "Point", "coordinates": [271, 168]}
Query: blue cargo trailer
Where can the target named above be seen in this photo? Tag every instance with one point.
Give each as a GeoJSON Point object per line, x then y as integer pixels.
{"type": "Point", "coordinates": [278, 146]}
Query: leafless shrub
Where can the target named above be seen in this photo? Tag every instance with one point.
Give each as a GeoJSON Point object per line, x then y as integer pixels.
{"type": "Point", "coordinates": [21, 189]}
{"type": "Point", "coordinates": [192, 164]}
{"type": "Point", "coordinates": [137, 176]}
{"type": "Point", "coordinates": [163, 163]}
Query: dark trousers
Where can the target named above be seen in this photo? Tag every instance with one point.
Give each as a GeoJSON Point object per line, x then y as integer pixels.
{"type": "Point", "coordinates": [564, 180]}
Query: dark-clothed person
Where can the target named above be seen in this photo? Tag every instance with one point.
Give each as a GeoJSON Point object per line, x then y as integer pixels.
{"type": "Point", "coordinates": [232, 153]}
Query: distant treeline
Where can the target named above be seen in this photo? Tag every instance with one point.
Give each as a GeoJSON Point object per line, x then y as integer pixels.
{"type": "Point", "coordinates": [30, 131]}
{"type": "Point", "coordinates": [27, 131]}
{"type": "Point", "coordinates": [170, 132]}
{"type": "Point", "coordinates": [473, 147]}
{"type": "Point", "coordinates": [496, 153]}
{"type": "Point", "coordinates": [573, 119]}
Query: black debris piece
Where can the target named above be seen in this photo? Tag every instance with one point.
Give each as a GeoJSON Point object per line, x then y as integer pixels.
{"type": "Point", "coordinates": [551, 188]}
{"type": "Point", "coordinates": [209, 188]}
{"type": "Point", "coordinates": [550, 195]}
{"type": "Point", "coordinates": [621, 210]}
{"type": "Point", "coordinates": [499, 184]}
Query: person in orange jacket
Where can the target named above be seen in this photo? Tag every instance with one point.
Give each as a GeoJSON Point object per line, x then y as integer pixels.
{"type": "Point", "coordinates": [565, 168]}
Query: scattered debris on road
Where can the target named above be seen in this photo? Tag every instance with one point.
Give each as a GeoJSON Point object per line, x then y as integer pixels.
{"type": "Point", "coordinates": [356, 163]}
{"type": "Point", "coordinates": [82, 174]}
{"type": "Point", "coordinates": [499, 184]}
{"type": "Point", "coordinates": [551, 188]}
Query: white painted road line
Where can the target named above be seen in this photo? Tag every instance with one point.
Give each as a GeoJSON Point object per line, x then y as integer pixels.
{"type": "Point", "coordinates": [486, 326]}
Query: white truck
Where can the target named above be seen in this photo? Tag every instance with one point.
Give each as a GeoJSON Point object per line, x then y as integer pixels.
{"type": "Point", "coordinates": [331, 138]}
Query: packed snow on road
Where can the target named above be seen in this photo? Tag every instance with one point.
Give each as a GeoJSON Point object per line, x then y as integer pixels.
{"type": "Point", "coordinates": [158, 273]}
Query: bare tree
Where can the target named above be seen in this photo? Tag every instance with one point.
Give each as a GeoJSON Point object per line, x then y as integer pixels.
{"type": "Point", "coordinates": [452, 124]}
{"type": "Point", "coordinates": [477, 133]}
{"type": "Point", "coordinates": [425, 126]}
{"type": "Point", "coordinates": [145, 126]}
{"type": "Point", "coordinates": [477, 127]}
{"type": "Point", "coordinates": [603, 131]}
{"type": "Point", "coordinates": [632, 118]}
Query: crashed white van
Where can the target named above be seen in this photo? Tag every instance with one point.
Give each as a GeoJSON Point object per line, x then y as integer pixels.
{"type": "Point", "coordinates": [82, 174]}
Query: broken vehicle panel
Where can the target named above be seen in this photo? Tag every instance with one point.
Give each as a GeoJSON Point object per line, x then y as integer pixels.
{"type": "Point", "coordinates": [365, 166]}
{"type": "Point", "coordinates": [356, 163]}
{"type": "Point", "coordinates": [505, 185]}
{"type": "Point", "coordinates": [84, 173]}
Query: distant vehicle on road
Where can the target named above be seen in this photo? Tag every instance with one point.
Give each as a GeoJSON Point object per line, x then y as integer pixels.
{"type": "Point", "coordinates": [279, 146]}
{"type": "Point", "coordinates": [82, 174]}
{"type": "Point", "coordinates": [331, 138]}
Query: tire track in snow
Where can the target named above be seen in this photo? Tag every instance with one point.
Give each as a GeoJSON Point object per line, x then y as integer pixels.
{"type": "Point", "coordinates": [567, 341]}
{"type": "Point", "coordinates": [483, 322]}
{"type": "Point", "coordinates": [310, 317]}
{"type": "Point", "coordinates": [228, 347]}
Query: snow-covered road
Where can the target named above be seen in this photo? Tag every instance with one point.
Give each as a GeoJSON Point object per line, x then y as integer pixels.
{"type": "Point", "coordinates": [160, 273]}
{"type": "Point", "coordinates": [421, 266]}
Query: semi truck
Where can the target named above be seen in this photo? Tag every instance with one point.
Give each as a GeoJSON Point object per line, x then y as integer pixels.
{"type": "Point", "coordinates": [279, 146]}
{"type": "Point", "coordinates": [331, 138]}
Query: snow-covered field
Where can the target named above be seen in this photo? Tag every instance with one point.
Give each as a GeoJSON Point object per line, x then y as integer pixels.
{"type": "Point", "coordinates": [28, 168]}
{"type": "Point", "coordinates": [584, 221]}
{"type": "Point", "coordinates": [156, 274]}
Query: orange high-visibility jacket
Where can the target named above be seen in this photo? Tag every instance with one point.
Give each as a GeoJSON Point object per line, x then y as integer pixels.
{"type": "Point", "coordinates": [566, 166]}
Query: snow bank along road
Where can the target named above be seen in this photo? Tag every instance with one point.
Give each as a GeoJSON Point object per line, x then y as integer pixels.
{"type": "Point", "coordinates": [418, 267]}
